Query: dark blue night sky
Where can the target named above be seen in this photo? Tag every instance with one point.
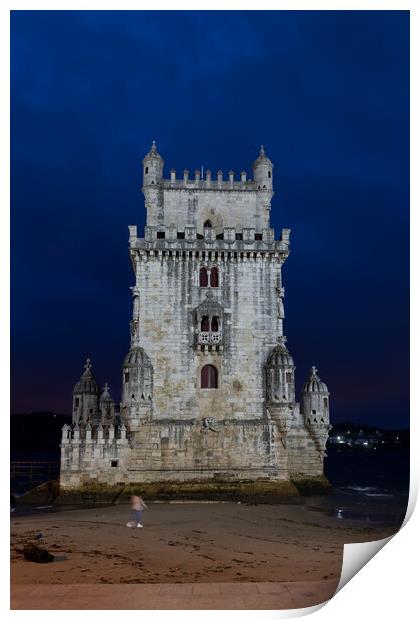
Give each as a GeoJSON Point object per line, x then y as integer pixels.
{"type": "Point", "coordinates": [327, 93]}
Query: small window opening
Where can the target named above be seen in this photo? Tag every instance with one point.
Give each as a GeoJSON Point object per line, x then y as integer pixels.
{"type": "Point", "coordinates": [204, 278]}
{"type": "Point", "coordinates": [314, 411]}
{"type": "Point", "coordinates": [205, 325]}
{"type": "Point", "coordinates": [90, 410]}
{"type": "Point", "coordinates": [214, 277]}
{"type": "Point", "coordinates": [207, 224]}
{"type": "Point", "coordinates": [209, 377]}
{"type": "Point", "coordinates": [269, 174]}
{"type": "Point", "coordinates": [325, 404]}
{"type": "Point", "coordinates": [76, 402]}
{"type": "Point", "coordinates": [160, 235]}
{"type": "Point", "coordinates": [288, 377]}
{"type": "Point", "coordinates": [215, 324]}
{"type": "Point", "coordinates": [147, 170]}
{"type": "Point", "coordinates": [114, 463]}
{"type": "Point", "coordinates": [126, 377]}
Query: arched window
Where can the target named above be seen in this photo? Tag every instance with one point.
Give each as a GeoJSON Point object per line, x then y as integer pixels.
{"type": "Point", "coordinates": [204, 278]}
{"type": "Point", "coordinates": [205, 324]}
{"type": "Point", "coordinates": [215, 324]}
{"type": "Point", "coordinates": [214, 277]}
{"type": "Point", "coordinates": [209, 377]}
{"type": "Point", "coordinates": [207, 224]}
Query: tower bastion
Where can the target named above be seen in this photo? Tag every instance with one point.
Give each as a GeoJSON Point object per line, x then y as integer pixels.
{"type": "Point", "coordinates": [208, 383]}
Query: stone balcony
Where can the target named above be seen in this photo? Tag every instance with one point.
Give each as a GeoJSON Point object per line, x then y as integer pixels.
{"type": "Point", "coordinates": [209, 342]}
{"type": "Point", "coordinates": [209, 337]}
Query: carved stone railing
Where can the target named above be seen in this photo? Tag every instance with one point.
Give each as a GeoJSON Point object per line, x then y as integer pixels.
{"type": "Point", "coordinates": [209, 337]}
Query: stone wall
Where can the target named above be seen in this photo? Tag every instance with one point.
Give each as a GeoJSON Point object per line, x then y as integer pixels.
{"type": "Point", "coordinates": [166, 330]}
{"type": "Point", "coordinates": [224, 208]}
{"type": "Point", "coordinates": [191, 450]}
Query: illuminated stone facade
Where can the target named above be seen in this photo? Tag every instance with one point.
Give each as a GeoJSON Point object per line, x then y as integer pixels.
{"type": "Point", "coordinates": [208, 385]}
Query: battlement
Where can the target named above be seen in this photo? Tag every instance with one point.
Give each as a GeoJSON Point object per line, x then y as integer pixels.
{"type": "Point", "coordinates": [245, 239]}
{"type": "Point", "coordinates": [207, 202]}
{"type": "Point", "coordinates": [71, 435]}
{"type": "Point", "coordinates": [85, 447]}
{"type": "Point", "coordinates": [207, 183]}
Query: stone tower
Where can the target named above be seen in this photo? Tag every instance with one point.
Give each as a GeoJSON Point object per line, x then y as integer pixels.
{"type": "Point", "coordinates": [208, 384]}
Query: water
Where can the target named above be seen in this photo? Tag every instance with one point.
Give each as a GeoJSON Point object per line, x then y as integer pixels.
{"type": "Point", "coordinates": [371, 486]}
{"type": "Point", "coordinates": [23, 483]}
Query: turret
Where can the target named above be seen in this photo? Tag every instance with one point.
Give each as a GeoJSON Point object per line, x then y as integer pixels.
{"type": "Point", "coordinates": [279, 373]}
{"type": "Point", "coordinates": [263, 181]}
{"type": "Point", "coordinates": [263, 171]}
{"type": "Point", "coordinates": [152, 186]}
{"type": "Point", "coordinates": [315, 406]}
{"type": "Point", "coordinates": [107, 407]}
{"type": "Point", "coordinates": [85, 397]}
{"type": "Point", "coordinates": [152, 167]}
{"type": "Point", "coordinates": [137, 388]}
{"type": "Point", "coordinates": [280, 376]}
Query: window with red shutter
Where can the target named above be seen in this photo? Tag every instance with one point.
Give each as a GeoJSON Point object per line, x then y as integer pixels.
{"type": "Point", "coordinates": [204, 278]}
{"type": "Point", "coordinates": [214, 277]}
{"type": "Point", "coordinates": [215, 324]}
{"type": "Point", "coordinates": [208, 377]}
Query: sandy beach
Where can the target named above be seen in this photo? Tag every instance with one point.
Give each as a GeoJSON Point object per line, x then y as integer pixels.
{"type": "Point", "coordinates": [186, 543]}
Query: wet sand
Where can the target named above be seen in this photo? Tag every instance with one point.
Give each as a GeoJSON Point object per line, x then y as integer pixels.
{"type": "Point", "coordinates": [187, 543]}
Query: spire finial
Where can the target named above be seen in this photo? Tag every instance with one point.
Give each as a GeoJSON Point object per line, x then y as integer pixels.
{"type": "Point", "coordinates": [105, 391]}
{"type": "Point", "coordinates": [88, 364]}
{"type": "Point", "coordinates": [314, 371]}
{"type": "Point", "coordinates": [262, 152]}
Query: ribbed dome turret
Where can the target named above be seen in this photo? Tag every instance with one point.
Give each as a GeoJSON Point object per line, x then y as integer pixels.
{"type": "Point", "coordinates": [136, 357]}
{"type": "Point", "coordinates": [262, 158]}
{"type": "Point", "coordinates": [280, 356]}
{"type": "Point", "coordinates": [153, 154]}
{"type": "Point", "coordinates": [87, 382]}
{"type": "Point", "coordinates": [314, 383]}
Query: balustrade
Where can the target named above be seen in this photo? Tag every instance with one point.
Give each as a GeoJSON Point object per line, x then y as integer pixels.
{"type": "Point", "coordinates": [209, 337]}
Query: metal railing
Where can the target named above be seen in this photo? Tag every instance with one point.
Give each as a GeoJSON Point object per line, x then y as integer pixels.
{"type": "Point", "coordinates": [34, 469]}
